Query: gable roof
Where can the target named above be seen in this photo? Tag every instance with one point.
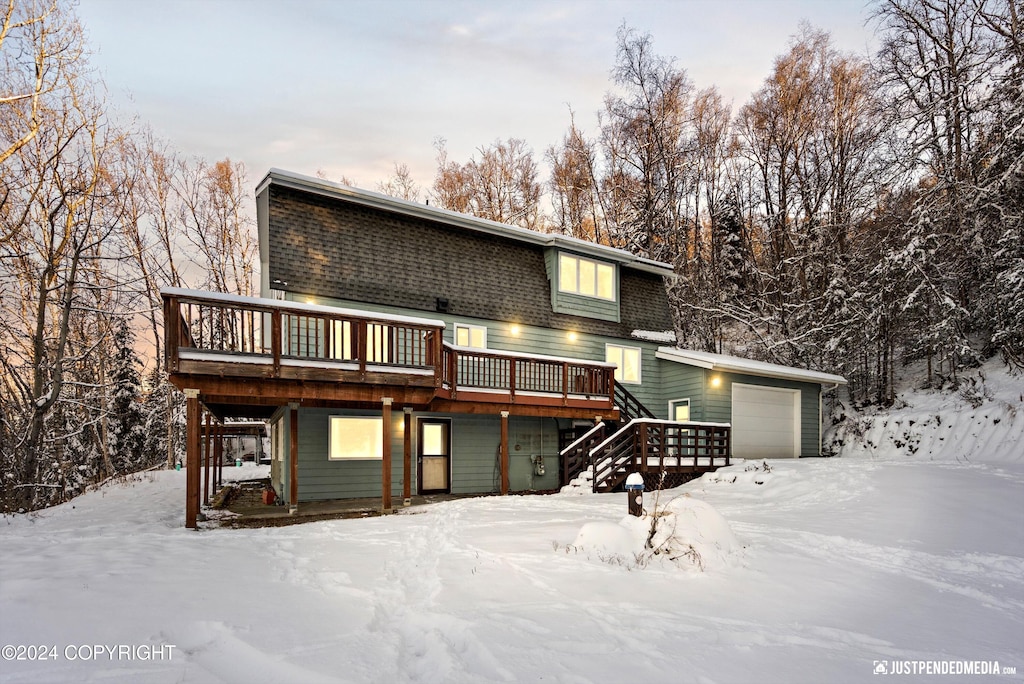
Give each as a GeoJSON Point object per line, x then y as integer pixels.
{"type": "Point", "coordinates": [736, 364]}
{"type": "Point", "coordinates": [377, 200]}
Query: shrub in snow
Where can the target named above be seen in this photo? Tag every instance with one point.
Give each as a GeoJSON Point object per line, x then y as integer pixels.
{"type": "Point", "coordinates": [747, 473]}
{"type": "Point", "coordinates": [686, 533]}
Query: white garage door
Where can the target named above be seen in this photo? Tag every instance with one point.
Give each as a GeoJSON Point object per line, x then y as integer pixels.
{"type": "Point", "coordinates": [765, 422]}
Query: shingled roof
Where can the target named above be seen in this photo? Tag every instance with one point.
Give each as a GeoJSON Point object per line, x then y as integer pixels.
{"type": "Point", "coordinates": [330, 240]}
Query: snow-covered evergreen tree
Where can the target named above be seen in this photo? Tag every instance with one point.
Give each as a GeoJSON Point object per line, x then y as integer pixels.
{"type": "Point", "coordinates": [126, 431]}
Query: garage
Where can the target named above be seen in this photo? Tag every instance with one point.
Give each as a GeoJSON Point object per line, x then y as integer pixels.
{"type": "Point", "coordinates": [765, 422]}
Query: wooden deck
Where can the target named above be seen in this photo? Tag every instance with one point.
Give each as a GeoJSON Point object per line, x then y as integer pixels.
{"type": "Point", "coordinates": [247, 357]}
{"type": "Point", "coordinates": [253, 352]}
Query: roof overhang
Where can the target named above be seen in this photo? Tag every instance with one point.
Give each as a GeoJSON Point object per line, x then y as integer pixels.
{"type": "Point", "coordinates": [377, 200]}
{"type": "Point", "coordinates": [735, 364]}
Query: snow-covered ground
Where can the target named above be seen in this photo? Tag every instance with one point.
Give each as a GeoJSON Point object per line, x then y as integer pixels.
{"type": "Point", "coordinates": [885, 556]}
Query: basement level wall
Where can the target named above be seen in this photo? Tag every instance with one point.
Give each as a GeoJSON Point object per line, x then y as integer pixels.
{"type": "Point", "coordinates": [474, 466]}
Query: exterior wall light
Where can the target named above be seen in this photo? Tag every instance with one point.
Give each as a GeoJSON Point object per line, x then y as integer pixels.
{"type": "Point", "coordinates": [514, 329]}
{"type": "Point", "coordinates": [571, 336]}
{"type": "Point", "coordinates": [716, 381]}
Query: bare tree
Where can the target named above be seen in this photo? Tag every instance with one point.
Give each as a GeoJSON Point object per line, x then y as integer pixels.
{"type": "Point", "coordinates": [574, 185]}
{"type": "Point", "coordinates": [938, 60]}
{"type": "Point", "coordinates": [401, 184]}
{"type": "Point", "coordinates": [647, 140]}
{"type": "Point", "coordinates": [64, 199]}
{"type": "Point", "coordinates": [39, 46]}
{"type": "Point", "coordinates": [212, 211]}
{"type": "Point", "coordinates": [500, 186]}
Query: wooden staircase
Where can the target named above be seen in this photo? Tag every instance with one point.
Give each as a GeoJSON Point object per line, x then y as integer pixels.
{"type": "Point", "coordinates": [655, 448]}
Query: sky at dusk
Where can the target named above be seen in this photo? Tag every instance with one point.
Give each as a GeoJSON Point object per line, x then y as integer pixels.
{"type": "Point", "coordinates": [351, 87]}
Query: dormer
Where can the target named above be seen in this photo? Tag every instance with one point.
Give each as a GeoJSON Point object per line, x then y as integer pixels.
{"type": "Point", "coordinates": [583, 285]}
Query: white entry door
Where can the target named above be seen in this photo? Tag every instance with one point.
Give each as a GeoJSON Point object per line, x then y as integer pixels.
{"type": "Point", "coordinates": [765, 422]}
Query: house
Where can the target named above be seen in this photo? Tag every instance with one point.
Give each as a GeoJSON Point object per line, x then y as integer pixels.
{"type": "Point", "coordinates": [491, 358]}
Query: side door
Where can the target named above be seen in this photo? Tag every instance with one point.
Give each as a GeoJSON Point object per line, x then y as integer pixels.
{"type": "Point", "coordinates": [434, 455]}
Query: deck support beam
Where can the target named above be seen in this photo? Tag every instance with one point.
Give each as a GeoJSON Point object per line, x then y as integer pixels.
{"type": "Point", "coordinates": [192, 420]}
{"type": "Point", "coordinates": [385, 463]}
{"type": "Point", "coordinates": [504, 453]}
{"type": "Point", "coordinates": [407, 457]}
{"type": "Point", "coordinates": [293, 458]}
{"type": "Point", "coordinates": [207, 440]}
{"type": "Point", "coordinates": [218, 457]}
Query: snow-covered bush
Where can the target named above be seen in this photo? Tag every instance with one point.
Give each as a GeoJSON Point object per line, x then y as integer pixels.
{"type": "Point", "coordinates": [686, 533]}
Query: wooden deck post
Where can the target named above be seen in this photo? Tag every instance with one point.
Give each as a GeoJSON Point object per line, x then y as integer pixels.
{"type": "Point", "coordinates": [504, 453]}
{"type": "Point", "coordinates": [192, 445]}
{"type": "Point", "coordinates": [218, 456]}
{"type": "Point", "coordinates": [407, 459]}
{"type": "Point", "coordinates": [293, 458]}
{"type": "Point", "coordinates": [385, 464]}
{"type": "Point", "coordinates": [207, 437]}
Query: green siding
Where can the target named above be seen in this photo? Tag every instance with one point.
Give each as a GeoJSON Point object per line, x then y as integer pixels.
{"type": "Point", "coordinates": [549, 341]}
{"type": "Point", "coordinates": [474, 458]}
{"type": "Point", "coordinates": [475, 468]}
{"type": "Point", "coordinates": [717, 404]}
{"type": "Point", "coordinates": [321, 478]}
{"type": "Point", "coordinates": [680, 381]}
{"type": "Point", "coordinates": [578, 305]}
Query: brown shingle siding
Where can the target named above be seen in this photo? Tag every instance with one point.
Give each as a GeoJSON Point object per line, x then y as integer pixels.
{"type": "Point", "coordinates": [334, 248]}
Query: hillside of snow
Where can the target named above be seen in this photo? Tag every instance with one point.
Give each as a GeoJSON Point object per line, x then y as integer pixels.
{"type": "Point", "coordinates": [818, 570]}
{"type": "Point", "coordinates": [982, 421]}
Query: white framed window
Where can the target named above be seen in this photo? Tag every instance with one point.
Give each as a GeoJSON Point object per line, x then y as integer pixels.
{"type": "Point", "coordinates": [679, 410]}
{"type": "Point", "coordinates": [626, 360]}
{"type": "Point", "coordinates": [470, 336]}
{"type": "Point", "coordinates": [577, 275]}
{"type": "Point", "coordinates": [356, 438]}
{"type": "Point", "coordinates": [342, 345]}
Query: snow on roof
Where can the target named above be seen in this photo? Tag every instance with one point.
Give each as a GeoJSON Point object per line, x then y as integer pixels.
{"type": "Point", "coordinates": [241, 300]}
{"type": "Point", "coordinates": [654, 335]}
{"type": "Point", "coordinates": [386, 202]}
{"type": "Point", "coordinates": [736, 364]}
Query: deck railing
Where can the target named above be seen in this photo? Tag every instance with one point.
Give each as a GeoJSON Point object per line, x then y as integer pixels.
{"type": "Point", "coordinates": [243, 329]}
{"type": "Point", "coordinates": [509, 374]}
{"type": "Point", "coordinates": [647, 445]}
{"type": "Point", "coordinates": [215, 334]}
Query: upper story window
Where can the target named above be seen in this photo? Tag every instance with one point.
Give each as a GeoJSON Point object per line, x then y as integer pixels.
{"type": "Point", "coordinates": [577, 275]}
{"type": "Point", "coordinates": [470, 336]}
{"type": "Point", "coordinates": [626, 360]}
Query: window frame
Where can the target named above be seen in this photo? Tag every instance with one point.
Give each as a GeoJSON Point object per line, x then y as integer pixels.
{"type": "Point", "coordinates": [579, 289]}
{"type": "Point", "coordinates": [620, 365]}
{"type": "Point", "coordinates": [378, 439]}
{"type": "Point", "coordinates": [674, 404]}
{"type": "Point", "coordinates": [470, 328]}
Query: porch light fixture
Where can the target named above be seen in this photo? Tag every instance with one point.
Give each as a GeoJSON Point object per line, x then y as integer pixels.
{"type": "Point", "coordinates": [571, 336]}
{"type": "Point", "coordinates": [716, 381]}
{"type": "Point", "coordinates": [514, 329]}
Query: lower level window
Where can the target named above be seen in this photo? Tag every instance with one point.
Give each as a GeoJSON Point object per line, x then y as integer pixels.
{"type": "Point", "coordinates": [679, 410]}
{"type": "Point", "coordinates": [356, 438]}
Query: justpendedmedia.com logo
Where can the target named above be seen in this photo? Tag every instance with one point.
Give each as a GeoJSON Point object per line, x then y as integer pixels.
{"type": "Point", "coordinates": [941, 667]}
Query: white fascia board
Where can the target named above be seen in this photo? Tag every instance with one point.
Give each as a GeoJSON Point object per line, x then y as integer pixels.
{"type": "Point", "coordinates": [380, 201]}
{"type": "Point", "coordinates": [736, 364]}
{"type": "Point", "coordinates": [302, 307]}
